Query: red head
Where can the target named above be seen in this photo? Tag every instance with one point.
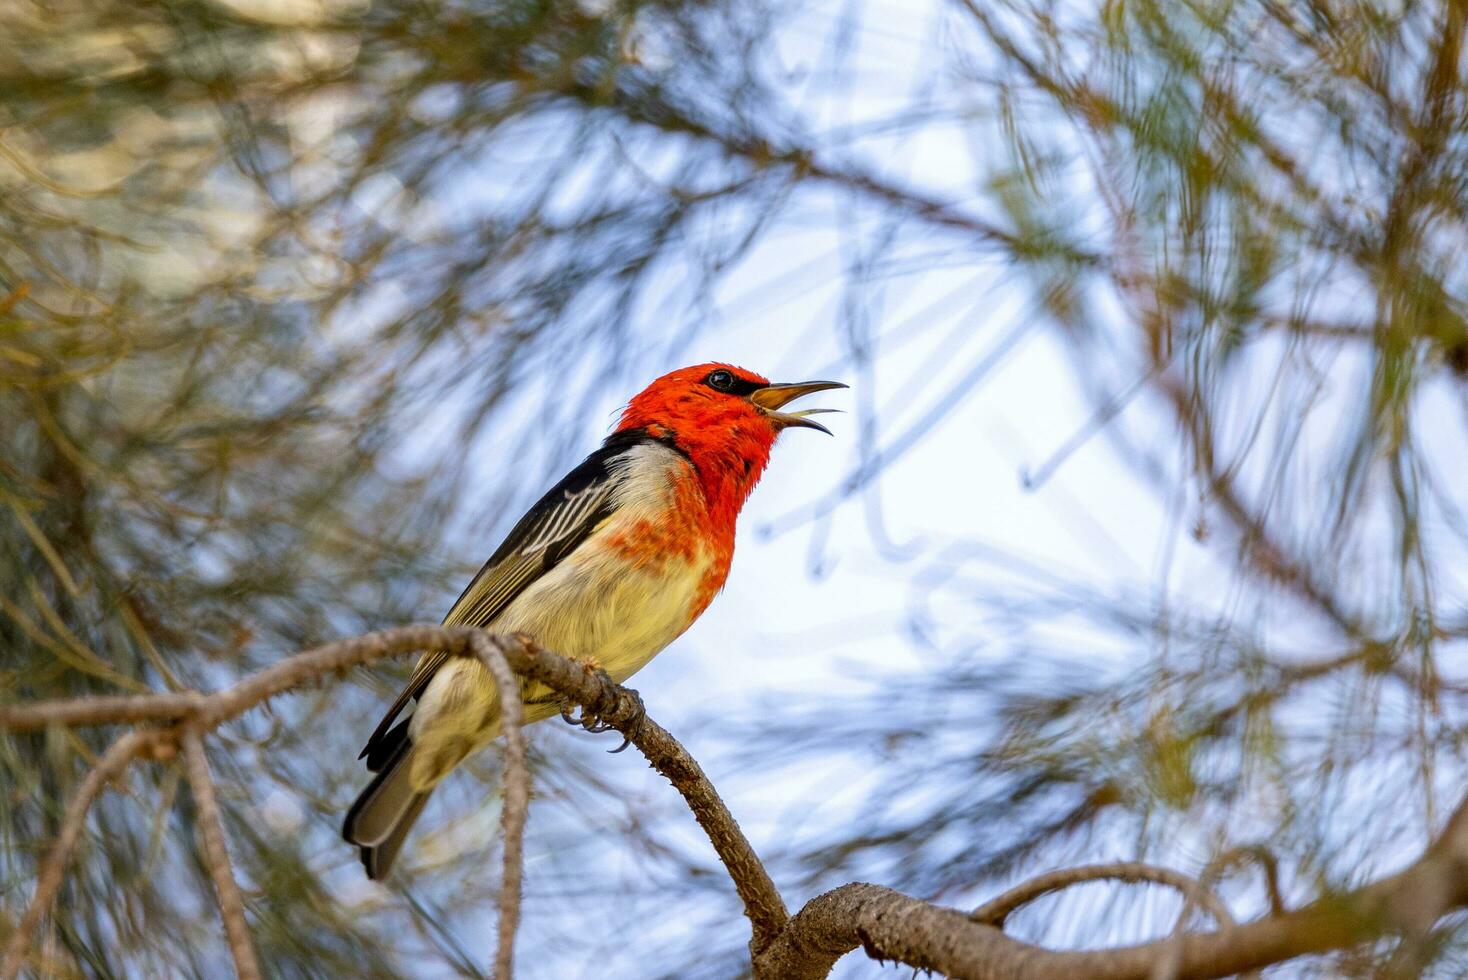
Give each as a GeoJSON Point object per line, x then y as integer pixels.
{"type": "Point", "coordinates": [725, 419]}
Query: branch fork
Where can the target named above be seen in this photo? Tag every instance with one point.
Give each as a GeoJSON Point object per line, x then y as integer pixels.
{"type": "Point", "coordinates": [886, 924]}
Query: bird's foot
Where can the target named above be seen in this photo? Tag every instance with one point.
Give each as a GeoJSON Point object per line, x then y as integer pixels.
{"type": "Point", "coordinates": [575, 714]}
{"type": "Point", "coordinates": [634, 724]}
{"type": "Point", "coordinates": [590, 721]}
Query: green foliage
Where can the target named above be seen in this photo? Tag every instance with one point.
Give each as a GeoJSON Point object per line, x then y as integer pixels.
{"type": "Point", "coordinates": [280, 282]}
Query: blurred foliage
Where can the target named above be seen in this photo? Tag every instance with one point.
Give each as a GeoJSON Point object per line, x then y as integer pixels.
{"type": "Point", "coordinates": [276, 274]}
{"type": "Point", "coordinates": [1245, 221]}
{"type": "Point", "coordinates": [252, 253]}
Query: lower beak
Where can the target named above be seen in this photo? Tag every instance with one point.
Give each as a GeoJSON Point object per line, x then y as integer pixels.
{"type": "Point", "coordinates": [771, 398]}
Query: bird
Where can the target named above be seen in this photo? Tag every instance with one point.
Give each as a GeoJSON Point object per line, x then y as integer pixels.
{"type": "Point", "coordinates": [610, 566]}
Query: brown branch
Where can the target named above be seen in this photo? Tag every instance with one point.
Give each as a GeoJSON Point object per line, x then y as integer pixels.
{"type": "Point", "coordinates": [893, 926]}
{"type": "Point", "coordinates": [517, 798]}
{"type": "Point", "coordinates": [210, 710]}
{"type": "Point", "coordinates": [1244, 854]}
{"type": "Point", "coordinates": [762, 902]}
{"type": "Point", "coordinates": [592, 689]}
{"type": "Point", "coordinates": [622, 709]}
{"type": "Point", "coordinates": [887, 924]}
{"type": "Point", "coordinates": [995, 911]}
{"type": "Point", "coordinates": [116, 759]}
{"type": "Point", "coordinates": [216, 855]}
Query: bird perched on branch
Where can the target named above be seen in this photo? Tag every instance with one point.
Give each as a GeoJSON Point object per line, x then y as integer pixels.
{"type": "Point", "coordinates": [609, 567]}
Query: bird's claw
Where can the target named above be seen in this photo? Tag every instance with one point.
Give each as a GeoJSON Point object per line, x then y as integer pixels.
{"type": "Point", "coordinates": [587, 720]}
{"type": "Point", "coordinates": [591, 722]}
{"type": "Point", "coordinates": [634, 724]}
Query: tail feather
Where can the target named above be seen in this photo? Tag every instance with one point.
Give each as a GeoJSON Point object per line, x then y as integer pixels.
{"type": "Point", "coordinates": [384, 749]}
{"type": "Point", "coordinates": [378, 860]}
{"type": "Point", "coordinates": [380, 818]}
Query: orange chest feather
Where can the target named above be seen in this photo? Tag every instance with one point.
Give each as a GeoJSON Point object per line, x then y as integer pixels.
{"type": "Point", "coordinates": [685, 539]}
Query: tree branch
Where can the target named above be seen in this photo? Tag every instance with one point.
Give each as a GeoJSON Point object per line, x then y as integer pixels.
{"type": "Point", "coordinates": [48, 882]}
{"type": "Point", "coordinates": [1258, 854]}
{"type": "Point", "coordinates": [517, 799]}
{"type": "Point", "coordinates": [213, 709]}
{"type": "Point", "coordinates": [995, 911]}
{"type": "Point", "coordinates": [622, 709]}
{"type": "Point", "coordinates": [592, 689]}
{"type": "Point", "coordinates": [216, 855]}
{"type": "Point", "coordinates": [893, 926]}
{"type": "Point", "coordinates": [887, 924]}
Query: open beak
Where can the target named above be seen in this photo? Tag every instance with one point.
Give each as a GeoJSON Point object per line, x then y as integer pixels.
{"type": "Point", "coordinates": [771, 398]}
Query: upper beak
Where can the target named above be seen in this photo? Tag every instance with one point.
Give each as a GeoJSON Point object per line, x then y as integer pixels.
{"type": "Point", "coordinates": [771, 397]}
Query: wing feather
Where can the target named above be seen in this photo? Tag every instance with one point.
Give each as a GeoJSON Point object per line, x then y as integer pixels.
{"type": "Point", "coordinates": [552, 529]}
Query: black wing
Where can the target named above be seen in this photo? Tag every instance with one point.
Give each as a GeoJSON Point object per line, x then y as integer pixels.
{"type": "Point", "coordinates": [552, 529]}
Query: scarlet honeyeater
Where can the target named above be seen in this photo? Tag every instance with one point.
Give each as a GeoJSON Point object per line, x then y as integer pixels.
{"type": "Point", "coordinates": [611, 565]}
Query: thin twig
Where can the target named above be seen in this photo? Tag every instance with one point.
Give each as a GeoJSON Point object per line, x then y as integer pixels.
{"type": "Point", "coordinates": [593, 690]}
{"type": "Point", "coordinates": [48, 881]}
{"type": "Point", "coordinates": [995, 911]}
{"type": "Point", "coordinates": [623, 710]}
{"type": "Point", "coordinates": [1243, 854]}
{"type": "Point", "coordinates": [887, 924]}
{"type": "Point", "coordinates": [216, 855]}
{"type": "Point", "coordinates": [517, 797]}
{"type": "Point", "coordinates": [211, 709]}
{"type": "Point", "coordinates": [1167, 966]}
{"type": "Point", "coordinates": [891, 926]}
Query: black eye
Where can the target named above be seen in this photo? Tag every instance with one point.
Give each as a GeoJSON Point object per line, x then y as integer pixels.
{"type": "Point", "coordinates": [720, 380]}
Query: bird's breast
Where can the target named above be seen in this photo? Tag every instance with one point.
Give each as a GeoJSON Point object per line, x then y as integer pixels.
{"type": "Point", "coordinates": [635, 584]}
{"type": "Point", "coordinates": [601, 605]}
